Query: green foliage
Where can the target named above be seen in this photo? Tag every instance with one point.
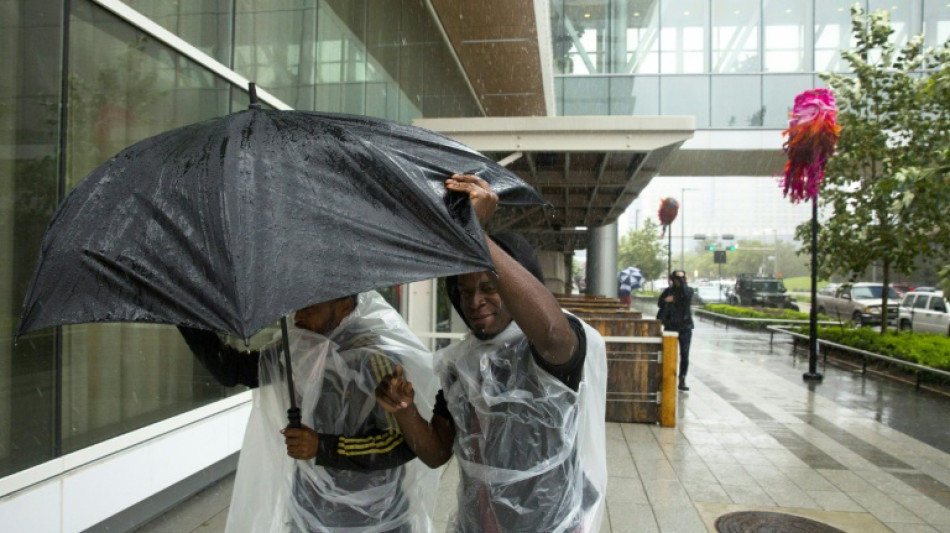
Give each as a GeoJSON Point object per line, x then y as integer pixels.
{"type": "Point", "coordinates": [922, 348]}
{"type": "Point", "coordinates": [801, 284]}
{"type": "Point", "coordinates": [642, 249]}
{"type": "Point", "coordinates": [758, 312]}
{"type": "Point", "coordinates": [886, 185]}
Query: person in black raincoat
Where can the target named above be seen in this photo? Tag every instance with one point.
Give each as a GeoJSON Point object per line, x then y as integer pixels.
{"type": "Point", "coordinates": [676, 314]}
{"type": "Point", "coordinates": [522, 400]}
{"type": "Point", "coordinates": [351, 469]}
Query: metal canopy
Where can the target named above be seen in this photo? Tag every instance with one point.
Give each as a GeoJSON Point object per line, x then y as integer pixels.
{"type": "Point", "coordinates": [589, 168]}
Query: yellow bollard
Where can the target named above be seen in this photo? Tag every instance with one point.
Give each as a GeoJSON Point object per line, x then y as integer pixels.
{"type": "Point", "coordinates": [668, 383]}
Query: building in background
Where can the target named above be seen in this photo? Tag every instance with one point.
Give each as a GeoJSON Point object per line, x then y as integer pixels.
{"type": "Point", "coordinates": [105, 424]}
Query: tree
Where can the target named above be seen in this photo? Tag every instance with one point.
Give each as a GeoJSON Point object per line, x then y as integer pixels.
{"type": "Point", "coordinates": [884, 195]}
{"type": "Point", "coordinates": [643, 249]}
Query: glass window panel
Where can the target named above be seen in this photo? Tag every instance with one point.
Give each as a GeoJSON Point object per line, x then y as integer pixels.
{"type": "Point", "coordinates": [275, 46]}
{"type": "Point", "coordinates": [586, 95]}
{"type": "Point", "coordinates": [641, 37]}
{"type": "Point", "coordinates": [635, 95]}
{"type": "Point", "coordinates": [936, 21]}
{"type": "Point", "coordinates": [686, 95]}
{"type": "Point", "coordinates": [683, 37]}
{"type": "Point", "coordinates": [832, 34]}
{"type": "Point", "coordinates": [29, 178]}
{"type": "Point", "coordinates": [905, 17]}
{"type": "Point", "coordinates": [126, 87]}
{"type": "Point", "coordinates": [204, 24]}
{"type": "Point", "coordinates": [738, 102]}
{"type": "Point", "coordinates": [580, 36]}
{"type": "Point", "coordinates": [735, 36]}
{"type": "Point", "coordinates": [778, 96]}
{"type": "Point", "coordinates": [785, 35]}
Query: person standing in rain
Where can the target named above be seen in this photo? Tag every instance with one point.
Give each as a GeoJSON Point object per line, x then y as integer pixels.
{"type": "Point", "coordinates": [314, 478]}
{"type": "Point", "coordinates": [676, 315]}
{"type": "Point", "coordinates": [522, 400]}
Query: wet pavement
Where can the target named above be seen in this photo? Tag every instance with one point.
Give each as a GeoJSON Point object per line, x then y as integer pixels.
{"type": "Point", "coordinates": [857, 453]}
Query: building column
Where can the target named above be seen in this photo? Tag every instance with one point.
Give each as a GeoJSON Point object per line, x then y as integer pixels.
{"type": "Point", "coordinates": [556, 275]}
{"type": "Point", "coordinates": [602, 260]}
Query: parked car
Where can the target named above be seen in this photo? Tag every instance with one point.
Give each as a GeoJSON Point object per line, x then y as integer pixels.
{"type": "Point", "coordinates": [859, 303]}
{"type": "Point", "coordinates": [902, 287]}
{"type": "Point", "coordinates": [924, 312]}
{"type": "Point", "coordinates": [760, 291]}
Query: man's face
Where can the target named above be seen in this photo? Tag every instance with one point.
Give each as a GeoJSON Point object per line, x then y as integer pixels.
{"type": "Point", "coordinates": [481, 304]}
{"type": "Point", "coordinates": [679, 278]}
{"type": "Point", "coordinates": [323, 317]}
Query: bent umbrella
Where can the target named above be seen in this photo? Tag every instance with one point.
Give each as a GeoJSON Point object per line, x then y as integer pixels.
{"type": "Point", "coordinates": [229, 224]}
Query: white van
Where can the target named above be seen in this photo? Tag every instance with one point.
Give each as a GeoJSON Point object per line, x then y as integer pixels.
{"type": "Point", "coordinates": [924, 312]}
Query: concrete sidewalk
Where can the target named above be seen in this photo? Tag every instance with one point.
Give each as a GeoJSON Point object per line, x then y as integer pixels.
{"type": "Point", "coordinates": [750, 435]}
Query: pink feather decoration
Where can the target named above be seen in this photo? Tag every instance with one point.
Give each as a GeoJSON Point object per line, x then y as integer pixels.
{"type": "Point", "coordinates": [812, 135]}
{"type": "Point", "coordinates": [669, 208]}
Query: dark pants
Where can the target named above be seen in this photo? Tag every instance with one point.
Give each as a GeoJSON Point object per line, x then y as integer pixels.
{"type": "Point", "coordinates": [686, 336]}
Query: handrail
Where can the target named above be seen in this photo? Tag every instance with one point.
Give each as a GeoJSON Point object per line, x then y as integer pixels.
{"type": "Point", "coordinates": [864, 353]}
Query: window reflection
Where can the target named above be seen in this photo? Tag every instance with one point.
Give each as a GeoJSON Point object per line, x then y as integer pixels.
{"type": "Point", "coordinates": [936, 18]}
{"type": "Point", "coordinates": [832, 34]}
{"type": "Point", "coordinates": [29, 162]}
{"type": "Point", "coordinates": [205, 24]}
{"type": "Point", "coordinates": [683, 37]}
{"type": "Point", "coordinates": [735, 36]}
{"type": "Point", "coordinates": [123, 88]}
{"type": "Point", "coordinates": [785, 39]}
{"type": "Point", "coordinates": [738, 102]}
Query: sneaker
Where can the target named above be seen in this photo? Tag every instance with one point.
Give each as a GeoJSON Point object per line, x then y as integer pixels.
{"type": "Point", "coordinates": [683, 386]}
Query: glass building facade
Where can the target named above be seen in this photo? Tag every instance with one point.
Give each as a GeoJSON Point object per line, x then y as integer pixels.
{"type": "Point", "coordinates": [82, 83]}
{"type": "Point", "coordinates": [730, 63]}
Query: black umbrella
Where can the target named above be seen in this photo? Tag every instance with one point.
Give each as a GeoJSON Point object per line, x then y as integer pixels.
{"type": "Point", "coordinates": [229, 224]}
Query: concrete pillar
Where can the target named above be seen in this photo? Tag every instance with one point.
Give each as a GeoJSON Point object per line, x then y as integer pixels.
{"type": "Point", "coordinates": [552, 266]}
{"type": "Point", "coordinates": [602, 260]}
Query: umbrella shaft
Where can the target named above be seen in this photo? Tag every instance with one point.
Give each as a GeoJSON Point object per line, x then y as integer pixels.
{"type": "Point", "coordinates": [293, 414]}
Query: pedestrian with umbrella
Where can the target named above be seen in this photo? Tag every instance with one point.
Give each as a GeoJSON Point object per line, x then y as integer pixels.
{"type": "Point", "coordinates": [628, 280]}
{"type": "Point", "coordinates": [233, 223]}
{"type": "Point", "coordinates": [353, 469]}
{"type": "Point", "coordinates": [522, 401]}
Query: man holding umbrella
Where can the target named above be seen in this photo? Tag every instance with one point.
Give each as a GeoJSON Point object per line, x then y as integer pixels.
{"type": "Point", "coordinates": [366, 481]}
{"type": "Point", "coordinates": [522, 400]}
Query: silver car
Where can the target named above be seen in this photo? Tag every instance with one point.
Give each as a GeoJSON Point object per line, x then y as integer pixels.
{"type": "Point", "coordinates": [924, 312]}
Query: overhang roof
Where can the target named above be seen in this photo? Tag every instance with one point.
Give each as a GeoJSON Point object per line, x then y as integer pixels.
{"type": "Point", "coordinates": [589, 168]}
{"type": "Point", "coordinates": [504, 51]}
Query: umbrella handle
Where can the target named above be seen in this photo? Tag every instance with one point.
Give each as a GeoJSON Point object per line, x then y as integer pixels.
{"type": "Point", "coordinates": [293, 414]}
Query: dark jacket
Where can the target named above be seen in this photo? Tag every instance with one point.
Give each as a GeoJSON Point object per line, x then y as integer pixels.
{"type": "Point", "coordinates": [675, 315]}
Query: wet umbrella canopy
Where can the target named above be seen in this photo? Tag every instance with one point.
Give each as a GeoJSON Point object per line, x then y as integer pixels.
{"type": "Point", "coordinates": [229, 224]}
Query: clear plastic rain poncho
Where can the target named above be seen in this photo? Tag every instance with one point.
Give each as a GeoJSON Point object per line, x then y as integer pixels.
{"type": "Point", "coordinates": [335, 380]}
{"type": "Point", "coordinates": [531, 451]}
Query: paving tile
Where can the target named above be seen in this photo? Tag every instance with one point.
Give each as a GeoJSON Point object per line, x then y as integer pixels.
{"type": "Point", "coordinates": [846, 481]}
{"type": "Point", "coordinates": [706, 492]}
{"type": "Point", "coordinates": [748, 495]}
{"type": "Point", "coordinates": [834, 500]}
{"type": "Point", "coordinates": [924, 507]}
{"type": "Point", "coordinates": [898, 527]}
{"type": "Point", "coordinates": [625, 490]}
{"type": "Point", "coordinates": [884, 508]}
{"type": "Point", "coordinates": [807, 479]}
{"type": "Point", "coordinates": [632, 518]}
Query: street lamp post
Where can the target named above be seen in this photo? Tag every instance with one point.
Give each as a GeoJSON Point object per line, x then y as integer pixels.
{"type": "Point", "coordinates": [683, 225]}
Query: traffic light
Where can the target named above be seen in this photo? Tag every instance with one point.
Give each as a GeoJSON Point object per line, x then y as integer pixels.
{"type": "Point", "coordinates": [711, 247]}
{"type": "Point", "coordinates": [731, 248]}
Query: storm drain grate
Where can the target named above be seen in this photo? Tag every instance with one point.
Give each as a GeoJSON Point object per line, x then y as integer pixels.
{"type": "Point", "coordinates": [766, 522]}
